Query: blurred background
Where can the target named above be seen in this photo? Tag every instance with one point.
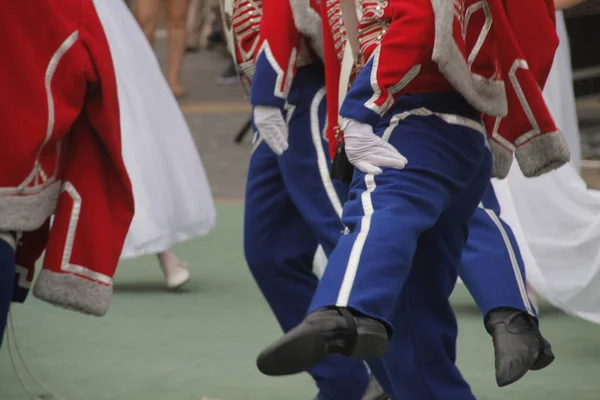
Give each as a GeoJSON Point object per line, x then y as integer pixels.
{"type": "Point", "coordinates": [200, 343]}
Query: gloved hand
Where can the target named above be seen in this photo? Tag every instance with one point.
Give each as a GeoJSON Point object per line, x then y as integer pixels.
{"type": "Point", "coordinates": [367, 151]}
{"type": "Point", "coordinates": [271, 127]}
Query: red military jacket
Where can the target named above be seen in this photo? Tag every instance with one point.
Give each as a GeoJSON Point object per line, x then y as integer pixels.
{"type": "Point", "coordinates": [484, 49]}
{"type": "Point", "coordinates": [271, 39]}
{"type": "Point", "coordinates": [60, 148]}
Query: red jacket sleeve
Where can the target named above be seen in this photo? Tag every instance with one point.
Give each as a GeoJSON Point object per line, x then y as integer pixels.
{"type": "Point", "coordinates": [96, 205]}
{"type": "Point", "coordinates": [276, 62]}
{"type": "Point", "coordinates": [392, 53]}
{"type": "Point", "coordinates": [245, 25]}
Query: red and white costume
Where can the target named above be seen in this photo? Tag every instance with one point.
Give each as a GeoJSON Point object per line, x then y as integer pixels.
{"type": "Point", "coordinates": [500, 78]}
{"type": "Point", "coordinates": [279, 36]}
{"type": "Point", "coordinates": [61, 150]}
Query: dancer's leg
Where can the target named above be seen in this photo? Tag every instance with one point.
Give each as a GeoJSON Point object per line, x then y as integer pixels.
{"type": "Point", "coordinates": [177, 11]}
{"type": "Point", "coordinates": [146, 13]}
{"type": "Point", "coordinates": [175, 272]}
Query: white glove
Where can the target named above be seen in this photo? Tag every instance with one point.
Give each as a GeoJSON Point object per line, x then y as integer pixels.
{"type": "Point", "coordinates": [367, 151]}
{"type": "Point", "coordinates": [271, 127]}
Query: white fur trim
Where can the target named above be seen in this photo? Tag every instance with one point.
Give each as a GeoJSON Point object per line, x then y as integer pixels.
{"type": "Point", "coordinates": [28, 212]}
{"type": "Point", "coordinates": [73, 292]}
{"type": "Point", "coordinates": [308, 22]}
{"type": "Point", "coordinates": [543, 154]}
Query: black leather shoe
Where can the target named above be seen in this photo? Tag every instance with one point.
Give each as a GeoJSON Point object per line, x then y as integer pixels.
{"type": "Point", "coordinates": [518, 344]}
{"type": "Point", "coordinates": [326, 331]}
{"type": "Point", "coordinates": [374, 391]}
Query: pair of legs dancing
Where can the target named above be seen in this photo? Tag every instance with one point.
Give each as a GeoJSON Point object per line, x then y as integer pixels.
{"type": "Point", "coordinates": [397, 264]}
{"type": "Point", "coordinates": [147, 13]}
{"type": "Point", "coordinates": [292, 206]}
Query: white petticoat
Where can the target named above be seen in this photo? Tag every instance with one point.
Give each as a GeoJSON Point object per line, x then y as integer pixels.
{"type": "Point", "coordinates": [173, 200]}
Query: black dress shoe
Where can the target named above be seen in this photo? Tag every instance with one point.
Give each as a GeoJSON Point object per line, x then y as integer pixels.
{"type": "Point", "coordinates": [326, 331]}
{"type": "Point", "coordinates": [518, 344]}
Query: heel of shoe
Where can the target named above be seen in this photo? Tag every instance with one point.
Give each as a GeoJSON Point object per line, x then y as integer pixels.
{"type": "Point", "coordinates": [545, 358]}
{"type": "Point", "coordinates": [371, 342]}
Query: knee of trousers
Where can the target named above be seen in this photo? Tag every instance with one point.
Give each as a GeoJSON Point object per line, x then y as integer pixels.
{"type": "Point", "coordinates": [270, 261]}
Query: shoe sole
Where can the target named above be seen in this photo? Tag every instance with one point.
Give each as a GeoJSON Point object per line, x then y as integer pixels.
{"type": "Point", "coordinates": [294, 353]}
{"type": "Point", "coordinates": [179, 285]}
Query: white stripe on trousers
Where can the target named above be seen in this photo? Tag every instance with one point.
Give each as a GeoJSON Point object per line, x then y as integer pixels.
{"type": "Point", "coordinates": [359, 243]}
{"type": "Point", "coordinates": [320, 259]}
{"type": "Point", "coordinates": [317, 137]}
{"type": "Point", "coordinates": [513, 258]}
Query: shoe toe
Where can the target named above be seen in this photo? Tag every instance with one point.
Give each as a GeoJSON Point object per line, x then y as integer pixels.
{"type": "Point", "coordinates": [297, 351]}
{"type": "Point", "coordinates": [178, 278]}
{"type": "Point", "coordinates": [510, 370]}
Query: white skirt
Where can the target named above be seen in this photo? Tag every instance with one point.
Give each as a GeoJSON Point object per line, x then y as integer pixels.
{"type": "Point", "coordinates": [173, 200]}
{"type": "Point", "coordinates": [555, 217]}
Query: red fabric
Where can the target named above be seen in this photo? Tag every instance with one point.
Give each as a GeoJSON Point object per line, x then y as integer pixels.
{"type": "Point", "coordinates": [403, 28]}
{"type": "Point", "coordinates": [278, 31]}
{"type": "Point", "coordinates": [85, 128]}
{"type": "Point", "coordinates": [332, 51]}
{"type": "Point", "coordinates": [407, 27]}
{"type": "Point", "coordinates": [536, 43]}
{"type": "Point", "coordinates": [245, 20]}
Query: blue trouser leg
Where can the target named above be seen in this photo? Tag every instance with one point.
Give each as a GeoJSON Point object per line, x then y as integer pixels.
{"type": "Point", "coordinates": [492, 268]}
{"type": "Point", "coordinates": [291, 207]}
{"type": "Point", "coordinates": [434, 197]}
{"type": "Point", "coordinates": [7, 280]}
{"type": "Point", "coordinates": [425, 328]}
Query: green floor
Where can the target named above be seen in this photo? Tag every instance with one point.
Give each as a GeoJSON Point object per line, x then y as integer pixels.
{"type": "Point", "coordinates": [156, 345]}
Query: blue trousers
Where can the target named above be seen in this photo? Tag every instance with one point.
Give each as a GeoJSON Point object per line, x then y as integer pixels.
{"type": "Point", "coordinates": [407, 229]}
{"type": "Point", "coordinates": [491, 267]}
{"type": "Point", "coordinates": [291, 207]}
{"type": "Point", "coordinates": [7, 280]}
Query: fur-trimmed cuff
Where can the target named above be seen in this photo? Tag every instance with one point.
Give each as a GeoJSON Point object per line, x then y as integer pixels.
{"type": "Point", "coordinates": [542, 154]}
{"type": "Point", "coordinates": [502, 158]}
{"type": "Point", "coordinates": [73, 292]}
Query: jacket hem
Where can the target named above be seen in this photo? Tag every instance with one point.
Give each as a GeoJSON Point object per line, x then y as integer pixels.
{"type": "Point", "coordinates": [502, 159]}
{"type": "Point", "coordinates": [73, 292]}
{"type": "Point", "coordinates": [542, 154]}
{"type": "Point", "coordinates": [28, 212]}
